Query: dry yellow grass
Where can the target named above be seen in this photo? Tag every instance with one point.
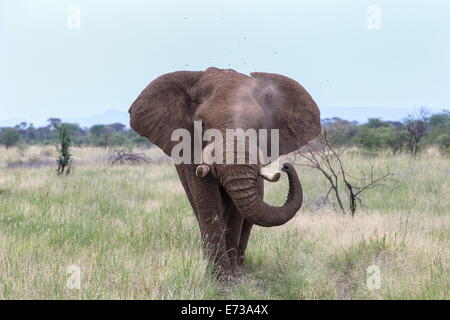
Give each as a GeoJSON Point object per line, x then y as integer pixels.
{"type": "Point", "coordinates": [131, 231]}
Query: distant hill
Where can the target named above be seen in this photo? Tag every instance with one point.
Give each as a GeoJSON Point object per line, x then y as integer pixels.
{"type": "Point", "coordinates": [10, 122]}
{"type": "Point", "coordinates": [108, 117]}
{"type": "Point", "coordinates": [361, 114]}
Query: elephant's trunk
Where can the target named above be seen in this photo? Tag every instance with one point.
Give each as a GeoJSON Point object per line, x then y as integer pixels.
{"type": "Point", "coordinates": [241, 184]}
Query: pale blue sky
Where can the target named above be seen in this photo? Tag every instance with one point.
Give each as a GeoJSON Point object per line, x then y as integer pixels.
{"type": "Point", "coordinates": [46, 69]}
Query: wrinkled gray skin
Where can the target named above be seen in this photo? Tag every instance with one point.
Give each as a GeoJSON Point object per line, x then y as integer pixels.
{"type": "Point", "coordinates": [228, 199]}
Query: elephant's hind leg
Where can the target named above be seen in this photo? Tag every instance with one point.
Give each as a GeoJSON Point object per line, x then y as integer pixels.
{"type": "Point", "coordinates": [245, 235]}
{"type": "Point", "coordinates": [234, 221]}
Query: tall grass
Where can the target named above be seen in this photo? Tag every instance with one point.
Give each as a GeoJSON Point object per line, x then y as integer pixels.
{"type": "Point", "coordinates": [132, 232]}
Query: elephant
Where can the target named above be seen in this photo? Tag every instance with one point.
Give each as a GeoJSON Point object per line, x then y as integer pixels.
{"type": "Point", "coordinates": [227, 199]}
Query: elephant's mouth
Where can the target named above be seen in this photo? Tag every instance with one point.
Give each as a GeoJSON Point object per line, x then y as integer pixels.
{"type": "Point", "coordinates": [208, 161]}
{"type": "Point", "coordinates": [203, 170]}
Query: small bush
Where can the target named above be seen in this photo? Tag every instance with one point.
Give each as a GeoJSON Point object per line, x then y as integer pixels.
{"type": "Point", "coordinates": [64, 161]}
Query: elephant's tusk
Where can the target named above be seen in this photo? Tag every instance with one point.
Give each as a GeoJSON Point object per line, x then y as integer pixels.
{"type": "Point", "coordinates": [268, 175]}
{"type": "Point", "coordinates": [202, 170]}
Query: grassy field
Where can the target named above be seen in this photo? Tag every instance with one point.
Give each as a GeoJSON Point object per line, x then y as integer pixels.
{"type": "Point", "coordinates": [132, 233]}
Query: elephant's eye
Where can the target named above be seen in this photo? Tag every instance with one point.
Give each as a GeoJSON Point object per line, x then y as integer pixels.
{"type": "Point", "coordinates": [195, 101]}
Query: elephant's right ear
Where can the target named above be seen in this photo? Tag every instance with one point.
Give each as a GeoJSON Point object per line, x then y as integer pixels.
{"type": "Point", "coordinates": [289, 108]}
{"type": "Point", "coordinates": [163, 106]}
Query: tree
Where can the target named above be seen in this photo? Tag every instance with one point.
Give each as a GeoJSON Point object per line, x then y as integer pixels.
{"type": "Point", "coordinates": [54, 122]}
{"type": "Point", "coordinates": [30, 133]}
{"type": "Point", "coordinates": [78, 135]}
{"type": "Point", "coordinates": [416, 126]}
{"type": "Point", "coordinates": [439, 130]}
{"type": "Point", "coordinates": [100, 135]}
{"type": "Point", "coordinates": [340, 132]}
{"type": "Point", "coordinates": [117, 127]}
{"type": "Point", "coordinates": [381, 137]}
{"type": "Point", "coordinates": [9, 137]}
{"type": "Point", "coordinates": [376, 123]}
{"type": "Point", "coordinates": [117, 139]}
{"type": "Point", "coordinates": [21, 126]}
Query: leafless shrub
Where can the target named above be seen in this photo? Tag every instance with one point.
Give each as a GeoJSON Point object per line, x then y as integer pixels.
{"type": "Point", "coordinates": [123, 156]}
{"type": "Point", "coordinates": [320, 155]}
{"type": "Point", "coordinates": [164, 159]}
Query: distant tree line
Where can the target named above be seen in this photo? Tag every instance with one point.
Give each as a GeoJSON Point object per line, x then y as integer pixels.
{"type": "Point", "coordinates": [115, 134]}
{"type": "Point", "coordinates": [415, 132]}
{"type": "Point", "coordinates": [412, 134]}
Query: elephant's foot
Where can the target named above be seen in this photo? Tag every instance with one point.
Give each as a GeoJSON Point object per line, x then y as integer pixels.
{"type": "Point", "coordinates": [239, 271]}
{"type": "Point", "coordinates": [233, 270]}
{"type": "Point", "coordinates": [222, 266]}
{"type": "Point", "coordinates": [228, 271]}
{"type": "Point", "coordinates": [240, 266]}
{"type": "Point", "coordinates": [224, 276]}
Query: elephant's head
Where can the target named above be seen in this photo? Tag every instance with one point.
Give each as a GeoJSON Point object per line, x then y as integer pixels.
{"type": "Point", "coordinates": [226, 99]}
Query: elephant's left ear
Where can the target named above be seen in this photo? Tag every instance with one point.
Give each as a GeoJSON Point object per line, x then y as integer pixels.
{"type": "Point", "coordinates": [164, 106]}
{"type": "Point", "coordinates": [289, 108]}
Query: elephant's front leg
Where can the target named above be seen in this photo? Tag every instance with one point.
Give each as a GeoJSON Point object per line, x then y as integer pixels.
{"type": "Point", "coordinates": [205, 199]}
{"type": "Point", "coordinates": [212, 228]}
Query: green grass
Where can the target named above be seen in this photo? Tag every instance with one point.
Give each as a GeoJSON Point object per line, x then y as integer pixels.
{"type": "Point", "coordinates": [132, 232]}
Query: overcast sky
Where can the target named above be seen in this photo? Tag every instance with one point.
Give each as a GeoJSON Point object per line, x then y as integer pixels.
{"type": "Point", "coordinates": [394, 55]}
